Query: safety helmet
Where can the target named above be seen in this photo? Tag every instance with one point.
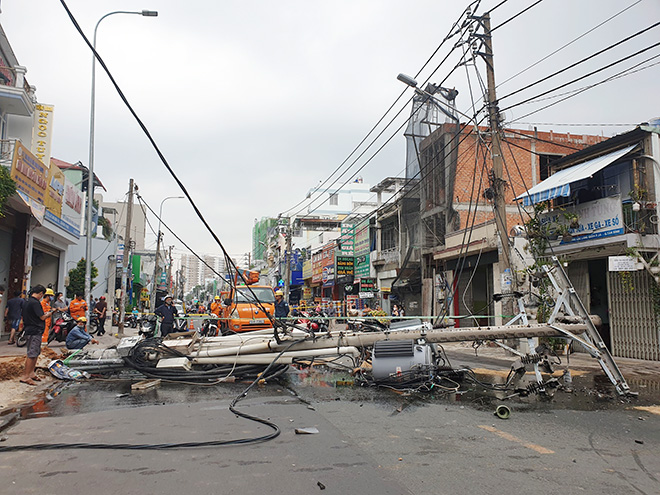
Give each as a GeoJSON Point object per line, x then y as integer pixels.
{"type": "Point", "coordinates": [102, 298]}
{"type": "Point", "coordinates": [169, 296]}
{"type": "Point", "coordinates": [49, 292]}
{"type": "Point", "coordinates": [217, 298]}
{"type": "Point", "coordinates": [279, 293]}
{"type": "Point", "coordinates": [83, 319]}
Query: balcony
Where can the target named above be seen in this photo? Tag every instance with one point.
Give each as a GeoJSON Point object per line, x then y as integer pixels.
{"type": "Point", "coordinates": [16, 95]}
{"type": "Point", "coordinates": [385, 256]}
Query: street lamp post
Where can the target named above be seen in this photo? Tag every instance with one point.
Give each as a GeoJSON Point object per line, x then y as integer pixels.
{"type": "Point", "coordinates": [154, 282]}
{"type": "Point", "coordinates": [90, 177]}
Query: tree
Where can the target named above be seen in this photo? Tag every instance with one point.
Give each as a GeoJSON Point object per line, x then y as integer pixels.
{"type": "Point", "coordinates": [77, 279]}
{"type": "Point", "coordinates": [7, 188]}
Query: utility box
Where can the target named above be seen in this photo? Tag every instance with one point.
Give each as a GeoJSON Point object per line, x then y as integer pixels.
{"type": "Point", "coordinates": [392, 358]}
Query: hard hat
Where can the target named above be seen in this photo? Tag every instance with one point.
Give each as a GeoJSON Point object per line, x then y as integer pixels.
{"type": "Point", "coordinates": [83, 319]}
{"type": "Point", "coordinates": [217, 297]}
{"type": "Point", "coordinates": [169, 296]}
{"type": "Point", "coordinates": [102, 298]}
{"type": "Point", "coordinates": [49, 292]}
{"type": "Point", "coordinates": [279, 293]}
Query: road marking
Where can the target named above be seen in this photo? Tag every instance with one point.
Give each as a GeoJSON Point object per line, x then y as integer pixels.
{"type": "Point", "coordinates": [511, 438]}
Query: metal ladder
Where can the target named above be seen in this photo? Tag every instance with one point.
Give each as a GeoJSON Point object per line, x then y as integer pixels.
{"type": "Point", "coordinates": [592, 342]}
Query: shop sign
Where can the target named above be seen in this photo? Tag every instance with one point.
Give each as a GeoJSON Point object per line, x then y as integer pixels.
{"type": "Point", "coordinates": [366, 295]}
{"type": "Point", "coordinates": [42, 132]}
{"type": "Point", "coordinates": [347, 240]}
{"type": "Point", "coordinates": [30, 175]}
{"type": "Point", "coordinates": [328, 276]}
{"type": "Point", "coordinates": [72, 205]}
{"type": "Point", "coordinates": [307, 293]}
{"type": "Point", "coordinates": [119, 257]}
{"type": "Point", "coordinates": [368, 285]}
{"type": "Point", "coordinates": [596, 219]}
{"type": "Point", "coordinates": [362, 264]}
{"type": "Point", "coordinates": [621, 264]}
{"type": "Point", "coordinates": [317, 268]}
{"type": "Point", "coordinates": [307, 269]}
{"type": "Point", "coordinates": [55, 191]}
{"type": "Point", "coordinates": [344, 266]}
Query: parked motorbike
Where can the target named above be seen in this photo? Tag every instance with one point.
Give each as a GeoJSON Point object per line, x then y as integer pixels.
{"type": "Point", "coordinates": [131, 320]}
{"type": "Point", "coordinates": [147, 326]}
{"type": "Point", "coordinates": [210, 327]}
{"type": "Point", "coordinates": [21, 338]}
{"type": "Point", "coordinates": [61, 328]}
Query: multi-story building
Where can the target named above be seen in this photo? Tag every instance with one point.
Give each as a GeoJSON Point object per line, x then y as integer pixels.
{"type": "Point", "coordinates": [461, 252]}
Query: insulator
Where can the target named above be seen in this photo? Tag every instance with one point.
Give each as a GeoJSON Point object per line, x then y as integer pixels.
{"type": "Point", "coordinates": [531, 358]}
{"type": "Point", "coordinates": [534, 388]}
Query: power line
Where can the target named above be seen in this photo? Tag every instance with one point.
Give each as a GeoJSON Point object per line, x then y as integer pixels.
{"type": "Point", "coordinates": [600, 52]}
{"type": "Point", "coordinates": [163, 160]}
{"type": "Point", "coordinates": [514, 16]}
{"type": "Point", "coordinates": [446, 38]}
{"type": "Point", "coordinates": [608, 79]}
{"type": "Point", "coordinates": [568, 44]}
{"type": "Point", "coordinates": [639, 52]}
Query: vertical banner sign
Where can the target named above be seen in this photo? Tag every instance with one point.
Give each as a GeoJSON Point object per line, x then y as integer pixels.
{"type": "Point", "coordinates": [328, 270]}
{"type": "Point", "coordinates": [317, 267]}
{"type": "Point", "coordinates": [42, 132]}
{"type": "Point", "coordinates": [347, 240]}
{"type": "Point", "coordinates": [362, 250]}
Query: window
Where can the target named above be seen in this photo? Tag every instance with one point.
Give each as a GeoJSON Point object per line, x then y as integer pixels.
{"type": "Point", "coordinates": [544, 161]}
{"type": "Point", "coordinates": [334, 199]}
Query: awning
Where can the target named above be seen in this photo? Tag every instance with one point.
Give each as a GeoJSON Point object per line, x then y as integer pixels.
{"type": "Point", "coordinates": [559, 184]}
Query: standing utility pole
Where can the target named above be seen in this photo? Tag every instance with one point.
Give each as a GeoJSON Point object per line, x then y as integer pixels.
{"type": "Point", "coordinates": [497, 182]}
{"type": "Point", "coordinates": [168, 284]}
{"type": "Point", "coordinates": [152, 299]}
{"type": "Point", "coordinates": [287, 260]}
{"type": "Point", "coordinates": [127, 253]}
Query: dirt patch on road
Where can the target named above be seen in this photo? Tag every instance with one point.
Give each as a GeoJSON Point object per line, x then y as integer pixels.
{"type": "Point", "coordinates": [12, 391]}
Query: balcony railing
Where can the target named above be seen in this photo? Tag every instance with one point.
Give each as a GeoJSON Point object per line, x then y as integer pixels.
{"type": "Point", "coordinates": [391, 255]}
{"type": "Point", "coordinates": [7, 151]}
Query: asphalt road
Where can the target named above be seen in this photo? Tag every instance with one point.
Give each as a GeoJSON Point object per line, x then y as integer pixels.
{"type": "Point", "coordinates": [369, 442]}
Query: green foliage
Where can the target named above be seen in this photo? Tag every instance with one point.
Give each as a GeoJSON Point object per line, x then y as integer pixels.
{"type": "Point", "coordinates": [77, 279]}
{"type": "Point", "coordinates": [105, 224]}
{"type": "Point", "coordinates": [7, 188]}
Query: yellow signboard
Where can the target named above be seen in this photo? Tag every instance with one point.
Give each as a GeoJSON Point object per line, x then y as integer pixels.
{"type": "Point", "coordinates": [55, 191]}
{"type": "Point", "coordinates": [42, 132]}
{"type": "Point", "coordinates": [30, 175]}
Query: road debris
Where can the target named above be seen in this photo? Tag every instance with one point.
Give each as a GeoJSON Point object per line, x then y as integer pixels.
{"type": "Point", "coordinates": [311, 430]}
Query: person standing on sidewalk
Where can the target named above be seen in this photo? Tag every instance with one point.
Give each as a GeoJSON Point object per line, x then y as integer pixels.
{"type": "Point", "coordinates": [13, 314]}
{"type": "Point", "coordinates": [59, 305]}
{"type": "Point", "coordinates": [45, 305]}
{"type": "Point", "coordinates": [100, 310]}
{"type": "Point", "coordinates": [34, 322]}
{"type": "Point", "coordinates": [78, 307]}
{"type": "Point", "coordinates": [167, 312]}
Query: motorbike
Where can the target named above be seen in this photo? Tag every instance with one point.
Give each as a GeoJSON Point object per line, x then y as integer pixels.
{"type": "Point", "coordinates": [210, 328]}
{"type": "Point", "coordinates": [61, 328]}
{"type": "Point", "coordinates": [147, 326]}
{"type": "Point", "coordinates": [131, 321]}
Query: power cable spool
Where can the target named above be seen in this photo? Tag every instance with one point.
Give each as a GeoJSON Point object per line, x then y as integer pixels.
{"type": "Point", "coordinates": [502, 412]}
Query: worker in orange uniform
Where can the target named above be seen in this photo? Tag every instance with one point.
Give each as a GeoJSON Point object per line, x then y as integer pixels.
{"type": "Point", "coordinates": [45, 304]}
{"type": "Point", "coordinates": [216, 308]}
{"type": "Point", "coordinates": [78, 307]}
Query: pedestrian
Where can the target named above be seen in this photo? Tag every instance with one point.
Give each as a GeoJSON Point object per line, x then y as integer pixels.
{"type": "Point", "coordinates": [59, 305]}
{"type": "Point", "coordinates": [281, 306]}
{"type": "Point", "coordinates": [100, 310]}
{"type": "Point", "coordinates": [78, 336]}
{"type": "Point", "coordinates": [78, 307]}
{"type": "Point", "coordinates": [34, 321]}
{"type": "Point", "coordinates": [45, 305]}
{"type": "Point", "coordinates": [13, 314]}
{"type": "Point", "coordinates": [353, 312]}
{"type": "Point", "coordinates": [332, 316]}
{"type": "Point", "coordinates": [366, 311]}
{"type": "Point", "coordinates": [167, 312]}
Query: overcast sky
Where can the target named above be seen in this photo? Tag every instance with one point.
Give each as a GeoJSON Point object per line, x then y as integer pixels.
{"type": "Point", "coordinates": [255, 102]}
